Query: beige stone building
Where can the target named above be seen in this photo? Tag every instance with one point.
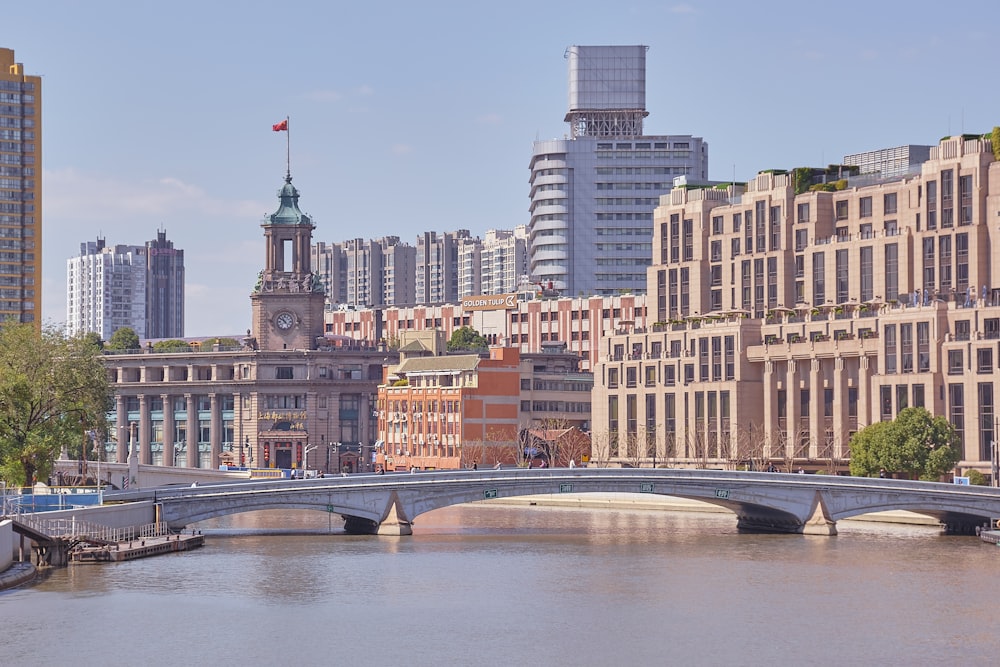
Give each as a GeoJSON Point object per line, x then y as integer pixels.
{"type": "Point", "coordinates": [786, 314]}
{"type": "Point", "coordinates": [286, 398]}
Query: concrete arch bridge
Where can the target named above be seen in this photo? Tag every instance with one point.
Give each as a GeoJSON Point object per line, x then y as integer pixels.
{"type": "Point", "coordinates": [770, 502]}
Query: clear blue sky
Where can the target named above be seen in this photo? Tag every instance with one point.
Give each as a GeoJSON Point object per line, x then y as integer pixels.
{"type": "Point", "coordinates": [411, 116]}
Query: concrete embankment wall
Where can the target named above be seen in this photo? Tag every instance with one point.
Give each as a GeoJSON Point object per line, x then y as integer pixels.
{"type": "Point", "coordinates": [6, 544]}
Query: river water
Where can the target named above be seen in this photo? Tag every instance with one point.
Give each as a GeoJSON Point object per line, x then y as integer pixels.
{"type": "Point", "coordinates": [491, 585]}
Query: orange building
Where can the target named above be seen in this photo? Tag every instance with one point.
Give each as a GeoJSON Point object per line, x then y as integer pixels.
{"type": "Point", "coordinates": [450, 411]}
{"type": "Point", "coordinates": [20, 192]}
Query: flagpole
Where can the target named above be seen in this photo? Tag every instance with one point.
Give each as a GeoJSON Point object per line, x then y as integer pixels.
{"type": "Point", "coordinates": [288, 147]}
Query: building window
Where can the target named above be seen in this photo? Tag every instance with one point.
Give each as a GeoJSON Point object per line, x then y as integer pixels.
{"type": "Point", "coordinates": [801, 239]}
{"type": "Point", "coordinates": [802, 214]}
{"type": "Point", "coordinates": [956, 411]}
{"type": "Point", "coordinates": [284, 373]}
{"type": "Point", "coordinates": [889, 336]}
{"type": "Point", "coordinates": [986, 421]}
{"type": "Point", "coordinates": [730, 348]}
{"type": "Point", "coordinates": [865, 207]}
{"type": "Point", "coordinates": [929, 262]}
{"type": "Point", "coordinates": [906, 346]}
{"type": "Point", "coordinates": [965, 194]}
{"type": "Point", "coordinates": [984, 360]}
{"type": "Point", "coordinates": [867, 275]}
{"type": "Point", "coordinates": [923, 347]}
{"type": "Point", "coordinates": [841, 209]}
{"type": "Point", "coordinates": [819, 279]}
{"type": "Point", "coordinates": [889, 203]}
{"type": "Point", "coordinates": [962, 330]}
{"type": "Point", "coordinates": [901, 397]}
{"type": "Point", "coordinates": [842, 270]}
{"type": "Point", "coordinates": [955, 366]}
{"type": "Point", "coordinates": [891, 272]}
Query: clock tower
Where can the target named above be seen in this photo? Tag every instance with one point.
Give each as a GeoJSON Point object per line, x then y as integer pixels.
{"type": "Point", "coordinates": [288, 300]}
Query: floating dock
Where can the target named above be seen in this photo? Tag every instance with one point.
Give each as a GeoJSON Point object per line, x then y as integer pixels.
{"type": "Point", "coordinates": [137, 548]}
{"type": "Point", "coordinates": [991, 536]}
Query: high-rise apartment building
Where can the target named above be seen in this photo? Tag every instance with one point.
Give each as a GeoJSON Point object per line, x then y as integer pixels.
{"type": "Point", "coordinates": [593, 194]}
{"type": "Point", "coordinates": [364, 272]}
{"type": "Point", "coordinates": [330, 264]}
{"type": "Point", "coordinates": [164, 288]}
{"type": "Point", "coordinates": [504, 260]}
{"type": "Point", "coordinates": [470, 266]}
{"type": "Point", "coordinates": [437, 266]}
{"type": "Point", "coordinates": [20, 192]}
{"type": "Point", "coordinates": [399, 267]}
{"type": "Point", "coordinates": [106, 289]}
{"type": "Point", "coordinates": [141, 287]}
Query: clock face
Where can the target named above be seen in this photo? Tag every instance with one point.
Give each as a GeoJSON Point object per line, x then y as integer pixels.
{"type": "Point", "coordinates": [284, 321]}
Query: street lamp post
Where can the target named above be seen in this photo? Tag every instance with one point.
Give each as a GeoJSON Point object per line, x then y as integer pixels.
{"type": "Point", "coordinates": [305, 458]}
{"type": "Point", "coordinates": [249, 460]}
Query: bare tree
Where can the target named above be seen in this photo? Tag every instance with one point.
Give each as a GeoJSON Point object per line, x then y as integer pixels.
{"type": "Point", "coordinates": [797, 451]}
{"type": "Point", "coordinates": [635, 449]}
{"type": "Point", "coordinates": [833, 454]}
{"type": "Point", "coordinates": [753, 446]}
{"type": "Point", "coordinates": [651, 437]}
{"type": "Point", "coordinates": [502, 446]}
{"type": "Point", "coordinates": [473, 452]}
{"type": "Point", "coordinates": [575, 446]}
{"type": "Point", "coordinates": [600, 449]}
{"type": "Point", "coordinates": [669, 447]}
{"type": "Point", "coordinates": [697, 447]}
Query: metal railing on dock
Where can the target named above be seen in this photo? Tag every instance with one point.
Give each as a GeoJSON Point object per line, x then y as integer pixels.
{"type": "Point", "coordinates": [76, 528]}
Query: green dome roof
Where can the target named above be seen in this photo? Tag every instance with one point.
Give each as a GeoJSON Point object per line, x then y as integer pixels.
{"type": "Point", "coordinates": [288, 212]}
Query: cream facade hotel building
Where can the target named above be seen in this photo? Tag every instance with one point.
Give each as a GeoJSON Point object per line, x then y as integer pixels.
{"type": "Point", "coordinates": [783, 319]}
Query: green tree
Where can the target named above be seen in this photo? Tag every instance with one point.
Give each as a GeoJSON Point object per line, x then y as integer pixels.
{"type": "Point", "coordinates": [466, 338]}
{"type": "Point", "coordinates": [124, 339]}
{"type": "Point", "coordinates": [52, 390]}
{"type": "Point", "coordinates": [174, 345]}
{"type": "Point", "coordinates": [915, 444]}
{"type": "Point", "coordinates": [976, 478]}
{"type": "Point", "coordinates": [93, 338]}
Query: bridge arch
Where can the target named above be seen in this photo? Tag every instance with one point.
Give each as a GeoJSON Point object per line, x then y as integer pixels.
{"type": "Point", "coordinates": [773, 502]}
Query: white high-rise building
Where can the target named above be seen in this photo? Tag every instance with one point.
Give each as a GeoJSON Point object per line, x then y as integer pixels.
{"type": "Point", "coordinates": [470, 266]}
{"type": "Point", "coordinates": [593, 194]}
{"type": "Point", "coordinates": [504, 259]}
{"type": "Point", "coordinates": [106, 289]}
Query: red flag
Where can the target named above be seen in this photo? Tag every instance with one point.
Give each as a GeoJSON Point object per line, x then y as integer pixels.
{"type": "Point", "coordinates": [282, 126]}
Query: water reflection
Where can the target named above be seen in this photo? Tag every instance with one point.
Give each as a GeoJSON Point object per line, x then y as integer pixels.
{"type": "Point", "coordinates": [495, 585]}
